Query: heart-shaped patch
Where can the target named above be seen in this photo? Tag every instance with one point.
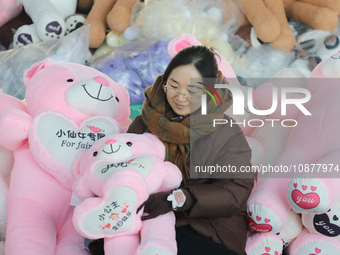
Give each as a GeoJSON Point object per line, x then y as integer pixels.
{"type": "Point", "coordinates": [113, 216]}
{"type": "Point", "coordinates": [55, 141]}
{"type": "Point", "coordinates": [263, 228]}
{"type": "Point", "coordinates": [305, 201]}
{"type": "Point", "coordinates": [115, 213]}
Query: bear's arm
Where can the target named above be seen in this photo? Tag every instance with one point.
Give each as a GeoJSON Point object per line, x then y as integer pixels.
{"type": "Point", "coordinates": [14, 125]}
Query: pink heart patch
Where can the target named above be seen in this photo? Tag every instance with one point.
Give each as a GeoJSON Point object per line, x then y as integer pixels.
{"type": "Point", "coordinates": [250, 213]}
{"type": "Point", "coordinates": [263, 228]}
{"type": "Point", "coordinates": [313, 188]}
{"type": "Point", "coordinates": [266, 220]}
{"type": "Point", "coordinates": [267, 249]}
{"type": "Point", "coordinates": [305, 201]}
{"type": "Point", "coordinates": [94, 129]}
{"type": "Point", "coordinates": [295, 185]}
{"type": "Point", "coordinates": [258, 218]}
{"type": "Point", "coordinates": [304, 187]}
{"type": "Point", "coordinates": [317, 250]}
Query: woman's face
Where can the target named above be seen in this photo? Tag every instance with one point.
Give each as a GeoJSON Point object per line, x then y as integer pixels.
{"type": "Point", "coordinates": [179, 81]}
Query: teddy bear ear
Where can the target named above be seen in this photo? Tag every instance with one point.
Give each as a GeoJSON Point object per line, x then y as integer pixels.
{"type": "Point", "coordinates": [36, 67]}
{"type": "Point", "coordinates": [157, 144]}
{"type": "Point", "coordinates": [180, 42]}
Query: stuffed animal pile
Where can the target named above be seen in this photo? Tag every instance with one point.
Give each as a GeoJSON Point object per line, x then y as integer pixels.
{"type": "Point", "coordinates": [69, 107]}
{"type": "Point", "coordinates": [312, 151]}
{"type": "Point", "coordinates": [269, 18]}
{"type": "Point", "coordinates": [122, 170]}
{"type": "Point", "coordinates": [48, 21]}
{"type": "Point", "coordinates": [112, 14]}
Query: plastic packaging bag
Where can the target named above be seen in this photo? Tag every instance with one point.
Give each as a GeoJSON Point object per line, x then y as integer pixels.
{"type": "Point", "coordinates": [166, 19]}
{"type": "Point", "coordinates": [13, 63]}
{"type": "Point", "coordinates": [135, 65]}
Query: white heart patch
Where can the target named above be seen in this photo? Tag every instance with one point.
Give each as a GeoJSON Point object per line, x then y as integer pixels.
{"type": "Point", "coordinates": [55, 141]}
{"type": "Point", "coordinates": [115, 216]}
{"type": "Point", "coordinates": [115, 213]}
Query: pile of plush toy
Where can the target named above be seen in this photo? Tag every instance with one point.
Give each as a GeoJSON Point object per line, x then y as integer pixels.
{"type": "Point", "coordinates": [299, 208]}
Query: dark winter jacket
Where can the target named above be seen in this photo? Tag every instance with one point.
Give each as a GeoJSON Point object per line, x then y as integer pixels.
{"type": "Point", "coordinates": [216, 205]}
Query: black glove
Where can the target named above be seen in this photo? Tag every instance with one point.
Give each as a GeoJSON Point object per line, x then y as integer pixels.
{"type": "Point", "coordinates": [157, 204]}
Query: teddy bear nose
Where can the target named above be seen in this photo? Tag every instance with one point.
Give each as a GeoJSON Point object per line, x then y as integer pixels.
{"type": "Point", "coordinates": [101, 80]}
{"type": "Point", "coordinates": [111, 141]}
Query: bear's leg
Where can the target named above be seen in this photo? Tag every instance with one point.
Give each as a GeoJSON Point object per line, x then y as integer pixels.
{"type": "Point", "coordinates": [158, 236]}
{"type": "Point", "coordinates": [126, 245]}
{"type": "Point", "coordinates": [49, 23]}
{"type": "Point", "coordinates": [70, 242]}
{"type": "Point", "coordinates": [37, 203]}
{"type": "Point", "coordinates": [26, 34]}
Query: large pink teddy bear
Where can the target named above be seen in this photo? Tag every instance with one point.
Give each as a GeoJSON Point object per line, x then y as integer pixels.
{"type": "Point", "coordinates": [69, 107]}
{"type": "Point", "coordinates": [7, 161]}
{"type": "Point", "coordinates": [123, 170]}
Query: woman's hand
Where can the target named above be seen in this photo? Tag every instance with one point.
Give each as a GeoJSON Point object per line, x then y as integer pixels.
{"type": "Point", "coordinates": [157, 204]}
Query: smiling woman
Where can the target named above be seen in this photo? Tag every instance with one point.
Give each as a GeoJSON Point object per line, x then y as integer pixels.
{"type": "Point", "coordinates": [210, 213]}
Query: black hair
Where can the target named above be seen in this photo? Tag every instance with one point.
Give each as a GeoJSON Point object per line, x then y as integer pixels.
{"type": "Point", "coordinates": [199, 56]}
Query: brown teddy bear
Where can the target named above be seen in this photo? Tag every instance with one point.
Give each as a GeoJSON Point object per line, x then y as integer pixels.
{"type": "Point", "coordinates": [269, 18]}
{"type": "Point", "coordinates": [113, 14]}
{"type": "Point", "coordinates": [319, 14]}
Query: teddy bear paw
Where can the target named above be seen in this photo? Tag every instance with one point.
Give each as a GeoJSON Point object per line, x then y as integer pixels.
{"type": "Point", "coordinates": [155, 250]}
{"type": "Point", "coordinates": [25, 35]}
{"type": "Point", "coordinates": [317, 247]}
{"type": "Point", "coordinates": [262, 219]}
{"type": "Point", "coordinates": [308, 195]}
{"type": "Point", "coordinates": [270, 244]}
{"type": "Point", "coordinates": [51, 28]}
{"type": "Point", "coordinates": [74, 22]}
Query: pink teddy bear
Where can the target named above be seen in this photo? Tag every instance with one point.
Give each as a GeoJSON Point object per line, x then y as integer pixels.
{"type": "Point", "coordinates": [69, 107]}
{"type": "Point", "coordinates": [7, 161]}
{"type": "Point", "coordinates": [123, 170]}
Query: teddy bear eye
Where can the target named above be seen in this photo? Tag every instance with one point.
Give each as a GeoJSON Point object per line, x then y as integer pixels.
{"type": "Point", "coordinates": [117, 99]}
{"type": "Point", "coordinates": [95, 153]}
{"type": "Point", "coordinates": [70, 80]}
{"type": "Point", "coordinates": [128, 143]}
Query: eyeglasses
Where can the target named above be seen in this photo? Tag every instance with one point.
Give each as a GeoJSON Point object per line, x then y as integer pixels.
{"type": "Point", "coordinates": [171, 91]}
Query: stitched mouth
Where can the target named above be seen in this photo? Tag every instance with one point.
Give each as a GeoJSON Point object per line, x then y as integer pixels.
{"type": "Point", "coordinates": [98, 95]}
{"type": "Point", "coordinates": [112, 151]}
